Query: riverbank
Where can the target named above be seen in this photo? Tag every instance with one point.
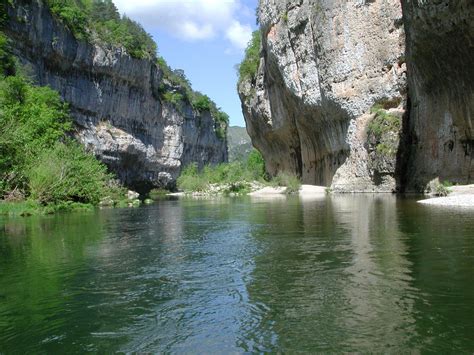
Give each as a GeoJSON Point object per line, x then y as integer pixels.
{"type": "Point", "coordinates": [459, 196]}
{"type": "Point", "coordinates": [121, 199]}
{"type": "Point", "coordinates": [256, 189]}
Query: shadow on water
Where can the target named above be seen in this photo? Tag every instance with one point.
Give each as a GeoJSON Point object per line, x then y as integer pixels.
{"type": "Point", "coordinates": [344, 273]}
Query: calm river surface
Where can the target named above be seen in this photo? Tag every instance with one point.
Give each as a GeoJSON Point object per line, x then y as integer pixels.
{"type": "Point", "coordinates": [367, 273]}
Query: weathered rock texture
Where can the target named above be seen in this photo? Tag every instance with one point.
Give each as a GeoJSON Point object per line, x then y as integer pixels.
{"type": "Point", "coordinates": [440, 58]}
{"type": "Point", "coordinates": [325, 63]}
{"type": "Point", "coordinates": [115, 101]}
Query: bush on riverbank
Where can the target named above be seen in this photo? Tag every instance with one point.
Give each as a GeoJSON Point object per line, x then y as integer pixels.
{"type": "Point", "coordinates": [236, 177]}
{"type": "Point", "coordinates": [291, 182]}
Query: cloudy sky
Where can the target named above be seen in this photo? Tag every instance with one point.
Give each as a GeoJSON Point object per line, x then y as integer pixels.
{"type": "Point", "coordinates": [206, 38]}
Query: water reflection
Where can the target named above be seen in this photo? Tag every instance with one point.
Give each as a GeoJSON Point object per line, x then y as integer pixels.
{"type": "Point", "coordinates": [339, 273]}
{"type": "Point", "coordinates": [377, 290]}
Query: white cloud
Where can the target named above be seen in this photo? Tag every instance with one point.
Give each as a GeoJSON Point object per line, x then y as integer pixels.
{"type": "Point", "coordinates": [239, 34]}
{"type": "Point", "coordinates": [191, 19]}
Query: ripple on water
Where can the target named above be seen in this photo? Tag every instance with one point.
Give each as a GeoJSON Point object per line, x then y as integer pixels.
{"type": "Point", "coordinates": [343, 274]}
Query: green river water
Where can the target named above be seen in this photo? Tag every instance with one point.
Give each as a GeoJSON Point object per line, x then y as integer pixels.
{"type": "Point", "coordinates": [364, 273]}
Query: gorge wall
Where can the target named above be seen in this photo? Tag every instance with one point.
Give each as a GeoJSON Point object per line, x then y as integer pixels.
{"type": "Point", "coordinates": [440, 57]}
{"type": "Point", "coordinates": [346, 93]}
{"type": "Point", "coordinates": [115, 101]}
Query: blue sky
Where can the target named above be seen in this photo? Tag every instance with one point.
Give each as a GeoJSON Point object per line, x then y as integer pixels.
{"type": "Point", "coordinates": [205, 38]}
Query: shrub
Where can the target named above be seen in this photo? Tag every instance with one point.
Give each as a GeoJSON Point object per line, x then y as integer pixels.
{"type": "Point", "coordinates": [31, 119]}
{"type": "Point", "coordinates": [67, 173]}
{"type": "Point", "coordinates": [191, 180]}
{"type": "Point", "coordinates": [249, 66]}
{"type": "Point", "coordinates": [383, 131]}
{"type": "Point", "coordinates": [7, 63]}
{"type": "Point", "coordinates": [447, 183]}
{"type": "Point", "coordinates": [174, 80]}
{"type": "Point", "coordinates": [290, 181]}
{"type": "Point", "coordinates": [237, 175]}
{"type": "Point", "coordinates": [202, 102]}
{"type": "Point", "coordinates": [441, 190]}
{"type": "Point", "coordinates": [437, 188]}
{"type": "Point", "coordinates": [173, 97]}
{"type": "Point", "coordinates": [256, 164]}
{"type": "Point", "coordinates": [157, 193]}
{"type": "Point", "coordinates": [71, 15]}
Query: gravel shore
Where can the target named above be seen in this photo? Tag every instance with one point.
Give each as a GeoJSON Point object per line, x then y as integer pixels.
{"type": "Point", "coordinates": [466, 200]}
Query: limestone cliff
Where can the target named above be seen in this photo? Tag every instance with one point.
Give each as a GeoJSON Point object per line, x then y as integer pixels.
{"type": "Point", "coordinates": [329, 100]}
{"type": "Point", "coordinates": [440, 56]}
{"type": "Point", "coordinates": [116, 101]}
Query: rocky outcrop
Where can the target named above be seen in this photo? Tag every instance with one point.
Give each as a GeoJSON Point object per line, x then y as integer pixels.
{"type": "Point", "coordinates": [116, 101]}
{"type": "Point", "coordinates": [440, 57]}
{"type": "Point", "coordinates": [324, 64]}
{"type": "Point", "coordinates": [332, 71]}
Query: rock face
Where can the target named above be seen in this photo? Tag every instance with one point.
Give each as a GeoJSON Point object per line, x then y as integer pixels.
{"type": "Point", "coordinates": [115, 101]}
{"type": "Point", "coordinates": [324, 65]}
{"type": "Point", "coordinates": [440, 57]}
{"type": "Point", "coordinates": [333, 72]}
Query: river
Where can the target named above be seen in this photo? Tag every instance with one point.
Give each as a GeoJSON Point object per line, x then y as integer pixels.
{"type": "Point", "coordinates": [365, 273]}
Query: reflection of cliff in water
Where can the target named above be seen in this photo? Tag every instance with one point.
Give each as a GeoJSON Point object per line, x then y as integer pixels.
{"type": "Point", "coordinates": [377, 282]}
{"type": "Point", "coordinates": [332, 271]}
{"type": "Point", "coordinates": [440, 245]}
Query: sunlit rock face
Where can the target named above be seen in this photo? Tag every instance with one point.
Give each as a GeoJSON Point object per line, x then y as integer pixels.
{"type": "Point", "coordinates": [440, 57]}
{"type": "Point", "coordinates": [115, 101]}
{"type": "Point", "coordinates": [323, 65]}
{"type": "Point", "coordinates": [325, 68]}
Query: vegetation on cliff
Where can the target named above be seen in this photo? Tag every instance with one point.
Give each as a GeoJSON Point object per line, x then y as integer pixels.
{"type": "Point", "coordinates": [249, 66]}
{"type": "Point", "coordinates": [384, 130]}
{"type": "Point", "coordinates": [100, 20]}
{"type": "Point", "coordinates": [38, 162]}
{"type": "Point", "coordinates": [176, 89]}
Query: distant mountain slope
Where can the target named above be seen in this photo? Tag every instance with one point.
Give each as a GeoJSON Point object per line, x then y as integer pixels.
{"type": "Point", "coordinates": [239, 143]}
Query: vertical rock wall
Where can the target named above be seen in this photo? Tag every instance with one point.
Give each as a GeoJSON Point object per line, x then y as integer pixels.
{"type": "Point", "coordinates": [440, 57]}
{"type": "Point", "coordinates": [324, 65]}
{"type": "Point", "coordinates": [330, 97]}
